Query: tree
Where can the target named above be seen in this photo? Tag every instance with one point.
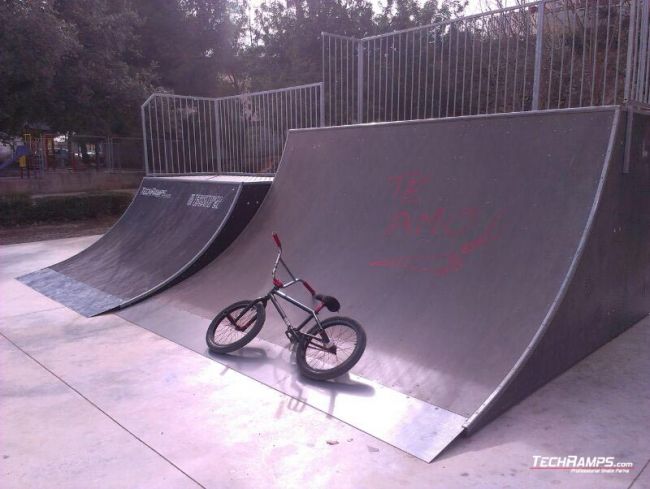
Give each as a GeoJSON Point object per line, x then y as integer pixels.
{"type": "Point", "coordinates": [72, 65]}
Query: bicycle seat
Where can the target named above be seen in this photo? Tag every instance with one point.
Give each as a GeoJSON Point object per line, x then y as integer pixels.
{"type": "Point", "coordinates": [330, 302]}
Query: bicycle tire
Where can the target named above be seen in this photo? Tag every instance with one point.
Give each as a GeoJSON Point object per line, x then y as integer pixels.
{"type": "Point", "coordinates": [326, 373]}
{"type": "Point", "coordinates": [241, 338]}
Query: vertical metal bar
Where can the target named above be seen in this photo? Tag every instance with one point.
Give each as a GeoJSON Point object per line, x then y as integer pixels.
{"type": "Point", "coordinates": [609, 16]}
{"type": "Point", "coordinates": [595, 48]}
{"type": "Point", "coordinates": [573, 45]}
{"type": "Point", "coordinates": [442, 64]}
{"type": "Point", "coordinates": [385, 118]}
{"type": "Point", "coordinates": [646, 41]}
{"type": "Point", "coordinates": [152, 163]}
{"type": "Point", "coordinates": [630, 47]}
{"type": "Point", "coordinates": [376, 79]}
{"type": "Point", "coordinates": [359, 44]}
{"type": "Point", "coordinates": [205, 134]}
{"type": "Point", "coordinates": [489, 74]}
{"type": "Point", "coordinates": [449, 71]}
{"type": "Point", "coordinates": [330, 100]}
{"type": "Point", "coordinates": [480, 77]}
{"type": "Point", "coordinates": [164, 135]}
{"type": "Point", "coordinates": [538, 54]}
{"type": "Point", "coordinates": [426, 73]}
{"type": "Point", "coordinates": [456, 24]}
{"type": "Point", "coordinates": [550, 71]}
{"type": "Point", "coordinates": [178, 151]}
{"type": "Point", "coordinates": [516, 71]}
{"type": "Point", "coordinates": [158, 135]}
{"type": "Point", "coordinates": [419, 72]}
{"type": "Point", "coordinates": [471, 77]}
{"type": "Point", "coordinates": [561, 77]}
{"type": "Point", "coordinates": [523, 88]}
{"type": "Point", "coordinates": [169, 121]}
{"type": "Point", "coordinates": [322, 43]}
{"type": "Point", "coordinates": [217, 130]}
{"type": "Point", "coordinates": [406, 73]}
{"type": "Point", "coordinates": [505, 76]}
{"type": "Point", "coordinates": [392, 79]}
{"type": "Point", "coordinates": [498, 67]}
{"type": "Point", "coordinates": [399, 69]}
{"type": "Point", "coordinates": [584, 52]}
{"type": "Point", "coordinates": [412, 73]}
{"type": "Point", "coordinates": [144, 138]}
{"type": "Point", "coordinates": [643, 51]}
{"type": "Point", "coordinates": [462, 92]}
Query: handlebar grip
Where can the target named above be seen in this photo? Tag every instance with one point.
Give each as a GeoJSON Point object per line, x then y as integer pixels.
{"type": "Point", "coordinates": [276, 238]}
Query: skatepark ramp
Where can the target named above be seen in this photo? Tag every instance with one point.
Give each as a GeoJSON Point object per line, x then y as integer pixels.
{"type": "Point", "coordinates": [172, 227]}
{"type": "Point", "coordinates": [483, 255]}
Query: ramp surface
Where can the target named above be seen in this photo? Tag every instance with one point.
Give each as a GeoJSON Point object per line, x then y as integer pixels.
{"type": "Point", "coordinates": [172, 227]}
{"type": "Point", "coordinates": [475, 251]}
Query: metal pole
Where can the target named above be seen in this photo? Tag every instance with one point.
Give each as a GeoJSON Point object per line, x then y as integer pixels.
{"type": "Point", "coordinates": [538, 55]}
{"type": "Point", "coordinates": [630, 49]}
{"type": "Point", "coordinates": [321, 90]}
{"type": "Point", "coordinates": [218, 135]}
{"type": "Point", "coordinates": [359, 81]}
{"type": "Point", "coordinates": [643, 52]}
{"type": "Point", "coordinates": [144, 140]}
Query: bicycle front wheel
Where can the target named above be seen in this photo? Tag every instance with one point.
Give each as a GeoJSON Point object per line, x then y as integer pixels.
{"type": "Point", "coordinates": [235, 326]}
{"type": "Point", "coordinates": [319, 360]}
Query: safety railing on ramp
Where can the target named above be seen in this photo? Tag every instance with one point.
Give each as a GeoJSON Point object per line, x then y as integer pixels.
{"type": "Point", "coordinates": [547, 54]}
{"type": "Point", "coordinates": [238, 134]}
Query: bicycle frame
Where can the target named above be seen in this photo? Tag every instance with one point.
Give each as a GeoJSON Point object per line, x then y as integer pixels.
{"type": "Point", "coordinates": [292, 332]}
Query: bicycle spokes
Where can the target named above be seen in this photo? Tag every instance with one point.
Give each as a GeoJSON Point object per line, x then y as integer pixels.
{"type": "Point", "coordinates": [323, 355]}
{"type": "Point", "coordinates": [234, 325]}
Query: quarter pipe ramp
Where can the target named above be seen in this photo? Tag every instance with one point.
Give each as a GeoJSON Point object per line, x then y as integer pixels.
{"type": "Point", "coordinates": [172, 227]}
{"type": "Point", "coordinates": [483, 255]}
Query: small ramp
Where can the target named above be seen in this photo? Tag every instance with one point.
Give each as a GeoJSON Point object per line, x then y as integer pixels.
{"type": "Point", "coordinates": [484, 256]}
{"type": "Point", "coordinates": [172, 227]}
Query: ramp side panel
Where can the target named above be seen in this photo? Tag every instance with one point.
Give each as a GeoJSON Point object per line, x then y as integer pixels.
{"type": "Point", "coordinates": [448, 240]}
{"type": "Point", "coordinates": [610, 289]}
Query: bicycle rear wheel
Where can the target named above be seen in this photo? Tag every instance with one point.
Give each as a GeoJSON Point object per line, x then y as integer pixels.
{"type": "Point", "coordinates": [235, 326]}
{"type": "Point", "coordinates": [347, 342]}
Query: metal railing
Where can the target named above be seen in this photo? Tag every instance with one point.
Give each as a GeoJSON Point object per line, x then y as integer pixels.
{"type": "Point", "coordinates": [541, 55]}
{"type": "Point", "coordinates": [238, 134]}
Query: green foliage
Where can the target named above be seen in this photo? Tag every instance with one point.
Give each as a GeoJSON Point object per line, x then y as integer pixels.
{"type": "Point", "coordinates": [22, 209]}
{"type": "Point", "coordinates": [85, 66]}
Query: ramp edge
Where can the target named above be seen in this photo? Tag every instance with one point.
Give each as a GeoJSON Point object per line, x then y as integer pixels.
{"type": "Point", "coordinates": [476, 417]}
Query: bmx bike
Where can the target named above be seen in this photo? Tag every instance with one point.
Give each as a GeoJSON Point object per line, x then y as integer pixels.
{"type": "Point", "coordinates": [327, 350]}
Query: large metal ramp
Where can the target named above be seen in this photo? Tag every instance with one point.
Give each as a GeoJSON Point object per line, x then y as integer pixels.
{"type": "Point", "coordinates": [484, 255]}
{"type": "Point", "coordinates": [172, 227]}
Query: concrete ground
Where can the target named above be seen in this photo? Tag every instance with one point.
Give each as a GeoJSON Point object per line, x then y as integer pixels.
{"type": "Point", "coordinates": [101, 402]}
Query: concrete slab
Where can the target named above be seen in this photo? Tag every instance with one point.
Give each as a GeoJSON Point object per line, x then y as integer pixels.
{"type": "Point", "coordinates": [223, 429]}
{"type": "Point", "coordinates": [52, 437]}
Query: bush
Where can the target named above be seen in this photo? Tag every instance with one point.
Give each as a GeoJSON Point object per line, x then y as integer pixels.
{"type": "Point", "coordinates": [21, 209]}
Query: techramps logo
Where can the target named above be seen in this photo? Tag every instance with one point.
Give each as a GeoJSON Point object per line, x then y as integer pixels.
{"type": "Point", "coordinates": [582, 465]}
{"type": "Point", "coordinates": [205, 201]}
{"type": "Point", "coordinates": [155, 192]}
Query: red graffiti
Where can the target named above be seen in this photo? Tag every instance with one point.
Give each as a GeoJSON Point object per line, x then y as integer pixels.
{"type": "Point", "coordinates": [438, 222]}
{"type": "Point", "coordinates": [407, 186]}
{"type": "Point", "coordinates": [442, 264]}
